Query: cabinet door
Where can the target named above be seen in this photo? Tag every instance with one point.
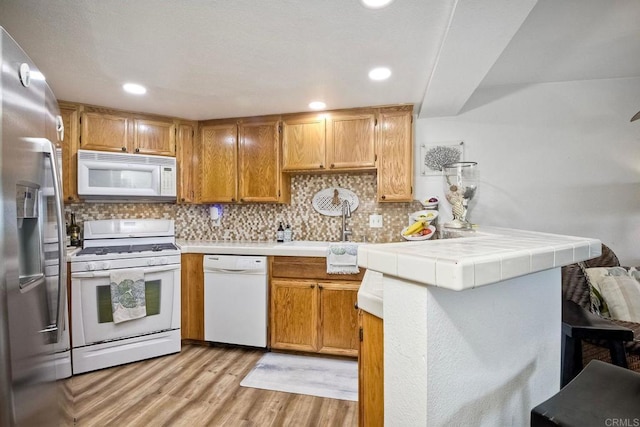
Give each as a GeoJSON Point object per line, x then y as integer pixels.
{"type": "Point", "coordinates": [351, 140]}
{"type": "Point", "coordinates": [395, 156]}
{"type": "Point", "coordinates": [258, 166]}
{"type": "Point", "coordinates": [338, 331]}
{"type": "Point", "coordinates": [154, 137]}
{"type": "Point", "coordinates": [303, 143]}
{"type": "Point", "coordinates": [294, 315]}
{"type": "Point", "coordinates": [104, 132]}
{"type": "Point", "coordinates": [371, 372]}
{"type": "Point", "coordinates": [70, 154]}
{"type": "Point", "coordinates": [187, 160]}
{"type": "Point", "coordinates": [192, 297]}
{"type": "Point", "coordinates": [218, 163]}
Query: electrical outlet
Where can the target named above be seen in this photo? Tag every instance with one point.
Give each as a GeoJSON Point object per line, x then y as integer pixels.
{"type": "Point", "coordinates": [375, 221]}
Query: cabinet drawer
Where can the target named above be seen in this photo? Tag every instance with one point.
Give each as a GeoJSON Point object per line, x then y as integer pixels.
{"type": "Point", "coordinates": [307, 268]}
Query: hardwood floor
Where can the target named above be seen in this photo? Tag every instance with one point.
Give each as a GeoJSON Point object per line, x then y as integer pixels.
{"type": "Point", "coordinates": [198, 387]}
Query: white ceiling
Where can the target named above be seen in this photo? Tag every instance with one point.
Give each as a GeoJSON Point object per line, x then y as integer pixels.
{"type": "Point", "coordinates": [204, 59]}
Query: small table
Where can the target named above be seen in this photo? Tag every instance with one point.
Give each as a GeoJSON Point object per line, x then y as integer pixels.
{"type": "Point", "coordinates": [579, 324]}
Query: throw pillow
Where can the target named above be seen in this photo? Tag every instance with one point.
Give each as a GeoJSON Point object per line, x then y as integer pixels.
{"type": "Point", "coordinates": [619, 290]}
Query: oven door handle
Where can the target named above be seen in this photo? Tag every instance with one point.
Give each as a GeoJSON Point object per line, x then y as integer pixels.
{"type": "Point", "coordinates": [107, 273]}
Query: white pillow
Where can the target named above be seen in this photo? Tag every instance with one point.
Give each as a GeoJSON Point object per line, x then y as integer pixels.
{"type": "Point", "coordinates": [620, 289]}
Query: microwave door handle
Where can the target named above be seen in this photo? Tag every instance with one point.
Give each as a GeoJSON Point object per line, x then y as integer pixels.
{"type": "Point", "coordinates": [106, 273]}
{"type": "Point", "coordinates": [50, 152]}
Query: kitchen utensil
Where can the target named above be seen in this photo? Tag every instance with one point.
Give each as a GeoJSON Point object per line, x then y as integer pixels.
{"type": "Point", "coordinates": [324, 201]}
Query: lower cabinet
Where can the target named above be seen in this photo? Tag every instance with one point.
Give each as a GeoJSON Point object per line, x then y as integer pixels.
{"type": "Point", "coordinates": [309, 310]}
{"type": "Point", "coordinates": [192, 297]}
{"type": "Point", "coordinates": [314, 316]}
{"type": "Point", "coordinates": [371, 371]}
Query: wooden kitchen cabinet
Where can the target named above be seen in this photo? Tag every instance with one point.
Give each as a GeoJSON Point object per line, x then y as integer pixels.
{"type": "Point", "coordinates": [351, 140]}
{"type": "Point", "coordinates": [154, 137]}
{"type": "Point", "coordinates": [303, 142]}
{"type": "Point", "coordinates": [240, 162]}
{"type": "Point", "coordinates": [371, 371]}
{"type": "Point", "coordinates": [310, 310]}
{"type": "Point", "coordinates": [192, 297]}
{"type": "Point", "coordinates": [331, 141]}
{"type": "Point", "coordinates": [70, 142]}
{"type": "Point", "coordinates": [395, 154]}
{"type": "Point", "coordinates": [108, 130]}
{"type": "Point", "coordinates": [338, 328]}
{"type": "Point", "coordinates": [294, 314]}
{"type": "Point", "coordinates": [188, 160]}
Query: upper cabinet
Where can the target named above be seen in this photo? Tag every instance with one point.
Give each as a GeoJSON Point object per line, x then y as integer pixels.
{"type": "Point", "coordinates": [240, 162]}
{"type": "Point", "coordinates": [188, 159]}
{"type": "Point", "coordinates": [341, 140]}
{"type": "Point", "coordinates": [351, 140]}
{"type": "Point", "coordinates": [106, 130]}
{"type": "Point", "coordinates": [69, 115]}
{"type": "Point", "coordinates": [395, 154]}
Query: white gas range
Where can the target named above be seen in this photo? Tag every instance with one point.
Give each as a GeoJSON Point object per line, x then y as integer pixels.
{"type": "Point", "coordinates": [141, 251]}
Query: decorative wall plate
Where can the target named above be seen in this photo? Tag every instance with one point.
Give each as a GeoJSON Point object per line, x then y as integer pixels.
{"type": "Point", "coordinates": [329, 201]}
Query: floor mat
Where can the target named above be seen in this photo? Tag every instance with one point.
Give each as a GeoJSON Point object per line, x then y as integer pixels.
{"type": "Point", "coordinates": [315, 376]}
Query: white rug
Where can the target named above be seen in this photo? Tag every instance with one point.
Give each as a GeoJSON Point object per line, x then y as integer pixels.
{"type": "Point", "coordinates": [315, 376]}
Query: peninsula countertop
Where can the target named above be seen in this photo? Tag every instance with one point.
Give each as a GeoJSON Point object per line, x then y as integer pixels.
{"type": "Point", "coordinates": [489, 255]}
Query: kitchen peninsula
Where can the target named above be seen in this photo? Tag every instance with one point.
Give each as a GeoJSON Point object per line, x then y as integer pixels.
{"type": "Point", "coordinates": [472, 325]}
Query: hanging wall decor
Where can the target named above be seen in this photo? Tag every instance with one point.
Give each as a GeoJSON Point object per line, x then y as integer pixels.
{"type": "Point", "coordinates": [434, 155]}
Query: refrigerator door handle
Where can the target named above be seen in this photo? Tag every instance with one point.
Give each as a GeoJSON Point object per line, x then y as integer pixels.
{"type": "Point", "coordinates": [50, 151]}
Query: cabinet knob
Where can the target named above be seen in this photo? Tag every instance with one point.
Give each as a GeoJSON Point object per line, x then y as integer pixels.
{"type": "Point", "coordinates": [320, 287]}
{"type": "Point", "coordinates": [233, 199]}
{"type": "Point", "coordinates": [182, 200]}
{"type": "Point", "coordinates": [321, 166]}
{"type": "Point", "coordinates": [137, 150]}
{"type": "Point", "coordinates": [355, 305]}
{"type": "Point", "coordinates": [332, 166]}
{"type": "Point", "coordinates": [242, 200]}
{"type": "Point", "coordinates": [383, 197]}
{"type": "Point", "coordinates": [312, 286]}
{"type": "Point", "coordinates": [124, 148]}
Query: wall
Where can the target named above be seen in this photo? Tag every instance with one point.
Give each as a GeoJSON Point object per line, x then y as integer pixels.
{"type": "Point", "coordinates": [259, 222]}
{"type": "Point", "coordinates": [557, 157]}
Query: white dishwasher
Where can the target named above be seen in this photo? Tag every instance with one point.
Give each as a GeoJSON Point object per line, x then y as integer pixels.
{"type": "Point", "coordinates": [235, 299]}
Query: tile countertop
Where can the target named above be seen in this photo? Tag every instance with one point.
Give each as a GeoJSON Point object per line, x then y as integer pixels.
{"type": "Point", "coordinates": [228, 247]}
{"type": "Point", "coordinates": [491, 255]}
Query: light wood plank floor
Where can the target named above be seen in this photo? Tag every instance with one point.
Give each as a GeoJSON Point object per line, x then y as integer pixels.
{"type": "Point", "coordinates": [198, 387]}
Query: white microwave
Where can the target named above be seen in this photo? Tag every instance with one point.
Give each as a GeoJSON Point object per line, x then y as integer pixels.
{"type": "Point", "coordinates": [128, 177]}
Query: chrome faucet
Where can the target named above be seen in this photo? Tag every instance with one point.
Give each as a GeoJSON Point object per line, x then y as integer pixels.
{"type": "Point", "coordinates": [346, 213]}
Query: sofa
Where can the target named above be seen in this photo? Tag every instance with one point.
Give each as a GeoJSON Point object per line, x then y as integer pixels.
{"type": "Point", "coordinates": [579, 284]}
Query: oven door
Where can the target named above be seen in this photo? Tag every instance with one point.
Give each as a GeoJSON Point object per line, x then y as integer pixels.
{"type": "Point", "coordinates": [91, 306]}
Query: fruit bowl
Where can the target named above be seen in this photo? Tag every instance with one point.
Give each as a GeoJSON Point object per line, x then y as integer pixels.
{"type": "Point", "coordinates": [413, 237]}
{"type": "Point", "coordinates": [427, 214]}
{"type": "Point", "coordinates": [430, 202]}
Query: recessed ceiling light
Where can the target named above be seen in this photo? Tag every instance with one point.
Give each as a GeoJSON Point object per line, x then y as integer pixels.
{"type": "Point", "coordinates": [380, 73]}
{"type": "Point", "coordinates": [134, 88]}
{"type": "Point", "coordinates": [375, 4]}
{"type": "Point", "coordinates": [317, 105]}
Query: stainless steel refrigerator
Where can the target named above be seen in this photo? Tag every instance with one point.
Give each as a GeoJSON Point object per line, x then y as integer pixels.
{"type": "Point", "coordinates": [32, 264]}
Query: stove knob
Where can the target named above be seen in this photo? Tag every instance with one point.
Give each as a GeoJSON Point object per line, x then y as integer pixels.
{"type": "Point", "coordinates": [152, 261]}
{"type": "Point", "coordinates": [104, 265]}
{"type": "Point", "coordinates": [164, 261]}
{"type": "Point", "coordinates": [91, 266]}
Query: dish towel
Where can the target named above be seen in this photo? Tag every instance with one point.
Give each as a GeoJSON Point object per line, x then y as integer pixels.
{"type": "Point", "coordinates": [342, 258]}
{"type": "Point", "coordinates": [127, 295]}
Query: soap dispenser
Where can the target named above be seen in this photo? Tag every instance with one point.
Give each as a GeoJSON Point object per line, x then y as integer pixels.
{"type": "Point", "coordinates": [287, 234]}
{"type": "Point", "coordinates": [280, 233]}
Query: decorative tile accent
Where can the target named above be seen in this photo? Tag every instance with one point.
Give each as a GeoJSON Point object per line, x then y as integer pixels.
{"type": "Point", "coordinates": [259, 222]}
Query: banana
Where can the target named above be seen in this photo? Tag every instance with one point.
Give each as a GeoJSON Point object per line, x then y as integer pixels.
{"type": "Point", "coordinates": [414, 228]}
